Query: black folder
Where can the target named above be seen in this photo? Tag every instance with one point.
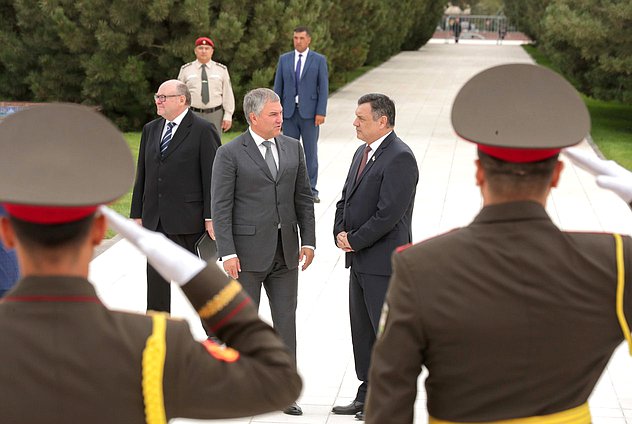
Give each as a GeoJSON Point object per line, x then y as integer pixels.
{"type": "Point", "coordinates": [205, 248]}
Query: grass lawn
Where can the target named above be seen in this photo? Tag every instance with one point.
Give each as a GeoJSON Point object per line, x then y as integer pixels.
{"type": "Point", "coordinates": [611, 121]}
{"type": "Point", "coordinates": [133, 140]}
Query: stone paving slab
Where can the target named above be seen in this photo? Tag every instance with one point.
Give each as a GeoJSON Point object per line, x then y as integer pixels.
{"type": "Point", "coordinates": [423, 85]}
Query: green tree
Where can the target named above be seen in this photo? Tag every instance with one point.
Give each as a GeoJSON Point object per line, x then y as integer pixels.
{"type": "Point", "coordinates": [528, 15]}
{"type": "Point", "coordinates": [425, 17]}
{"type": "Point", "coordinates": [590, 42]}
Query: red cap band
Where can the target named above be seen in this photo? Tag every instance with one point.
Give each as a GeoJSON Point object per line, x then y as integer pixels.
{"type": "Point", "coordinates": [204, 41]}
{"type": "Point", "coordinates": [518, 155]}
{"type": "Point", "coordinates": [49, 214]}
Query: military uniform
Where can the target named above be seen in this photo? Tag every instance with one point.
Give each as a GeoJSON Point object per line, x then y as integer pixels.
{"type": "Point", "coordinates": [70, 359]}
{"type": "Point", "coordinates": [520, 322]}
{"type": "Point", "coordinates": [222, 101]}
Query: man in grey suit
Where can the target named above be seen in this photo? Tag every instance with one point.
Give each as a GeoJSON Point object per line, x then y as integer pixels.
{"type": "Point", "coordinates": [261, 201]}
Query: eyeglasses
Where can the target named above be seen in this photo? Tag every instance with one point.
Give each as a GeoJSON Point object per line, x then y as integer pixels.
{"type": "Point", "coordinates": [163, 97]}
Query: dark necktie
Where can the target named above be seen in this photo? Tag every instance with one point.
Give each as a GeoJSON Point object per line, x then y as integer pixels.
{"type": "Point", "coordinates": [270, 158]}
{"type": "Point", "coordinates": [205, 94]}
{"type": "Point", "coordinates": [164, 143]}
{"type": "Point", "coordinates": [298, 73]}
{"type": "Point", "coordinates": [365, 156]}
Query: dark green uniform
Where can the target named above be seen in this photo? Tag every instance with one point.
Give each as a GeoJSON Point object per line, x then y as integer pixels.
{"type": "Point", "coordinates": [511, 316]}
{"type": "Point", "coordinates": [66, 358]}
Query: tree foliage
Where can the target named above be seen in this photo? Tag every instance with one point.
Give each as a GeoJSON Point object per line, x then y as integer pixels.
{"type": "Point", "coordinates": [589, 41]}
{"type": "Point", "coordinates": [115, 53]}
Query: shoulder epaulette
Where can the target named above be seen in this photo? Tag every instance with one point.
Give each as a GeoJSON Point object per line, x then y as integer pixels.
{"type": "Point", "coordinates": [187, 64]}
{"type": "Point", "coordinates": [221, 65]}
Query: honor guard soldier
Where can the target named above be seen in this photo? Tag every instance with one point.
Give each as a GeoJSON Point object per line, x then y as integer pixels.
{"type": "Point", "coordinates": [514, 319]}
{"type": "Point", "coordinates": [67, 357]}
{"type": "Point", "coordinates": [209, 83]}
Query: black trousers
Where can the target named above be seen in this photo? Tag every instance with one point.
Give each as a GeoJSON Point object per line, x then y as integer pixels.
{"type": "Point", "coordinates": [158, 289]}
{"type": "Point", "coordinates": [281, 285]}
{"type": "Point", "coordinates": [366, 297]}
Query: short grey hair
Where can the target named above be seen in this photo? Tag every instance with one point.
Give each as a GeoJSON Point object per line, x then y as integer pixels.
{"type": "Point", "coordinates": [183, 90]}
{"type": "Point", "coordinates": [256, 99]}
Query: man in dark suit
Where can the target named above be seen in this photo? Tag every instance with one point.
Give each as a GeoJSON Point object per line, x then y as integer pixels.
{"type": "Point", "coordinates": [302, 83]}
{"type": "Point", "coordinates": [172, 192]}
{"type": "Point", "coordinates": [67, 357]}
{"type": "Point", "coordinates": [373, 218]}
{"type": "Point", "coordinates": [261, 202]}
{"type": "Point", "coordinates": [514, 319]}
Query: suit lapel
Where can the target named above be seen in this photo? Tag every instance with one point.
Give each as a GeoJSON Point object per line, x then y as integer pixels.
{"type": "Point", "coordinates": [156, 135]}
{"type": "Point", "coordinates": [308, 62]}
{"type": "Point", "coordinates": [283, 156]}
{"type": "Point", "coordinates": [376, 156]}
{"type": "Point", "coordinates": [290, 67]}
{"type": "Point", "coordinates": [253, 152]}
{"type": "Point", "coordinates": [181, 133]}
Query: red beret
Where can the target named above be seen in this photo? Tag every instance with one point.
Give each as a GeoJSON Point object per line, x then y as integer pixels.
{"type": "Point", "coordinates": [204, 41]}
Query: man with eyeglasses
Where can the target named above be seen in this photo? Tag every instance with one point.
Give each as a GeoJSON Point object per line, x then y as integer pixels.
{"type": "Point", "coordinates": [172, 192]}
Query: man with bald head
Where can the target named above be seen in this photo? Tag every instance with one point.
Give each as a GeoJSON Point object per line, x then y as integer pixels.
{"type": "Point", "coordinates": [172, 192]}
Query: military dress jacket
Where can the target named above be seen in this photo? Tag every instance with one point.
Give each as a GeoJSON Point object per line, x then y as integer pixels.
{"type": "Point", "coordinates": [219, 86]}
{"type": "Point", "coordinates": [69, 359]}
{"type": "Point", "coordinates": [511, 316]}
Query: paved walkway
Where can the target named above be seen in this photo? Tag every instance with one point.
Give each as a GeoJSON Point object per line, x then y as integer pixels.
{"type": "Point", "coordinates": [423, 84]}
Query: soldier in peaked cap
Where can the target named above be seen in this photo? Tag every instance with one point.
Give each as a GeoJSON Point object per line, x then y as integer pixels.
{"type": "Point", "coordinates": [513, 318]}
{"type": "Point", "coordinates": [209, 83]}
{"type": "Point", "coordinates": [68, 354]}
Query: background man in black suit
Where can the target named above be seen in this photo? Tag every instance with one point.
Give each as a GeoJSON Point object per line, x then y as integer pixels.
{"type": "Point", "coordinates": [373, 218]}
{"type": "Point", "coordinates": [172, 192]}
{"type": "Point", "coordinates": [262, 202]}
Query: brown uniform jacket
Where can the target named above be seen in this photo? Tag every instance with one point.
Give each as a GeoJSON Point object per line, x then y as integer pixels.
{"type": "Point", "coordinates": [67, 358]}
{"type": "Point", "coordinates": [511, 316]}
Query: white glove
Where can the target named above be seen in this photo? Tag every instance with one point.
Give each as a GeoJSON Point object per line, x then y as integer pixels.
{"type": "Point", "coordinates": [170, 260]}
{"type": "Point", "coordinates": [610, 175]}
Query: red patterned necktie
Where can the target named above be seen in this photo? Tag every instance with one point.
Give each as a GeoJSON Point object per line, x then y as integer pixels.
{"type": "Point", "coordinates": [365, 156]}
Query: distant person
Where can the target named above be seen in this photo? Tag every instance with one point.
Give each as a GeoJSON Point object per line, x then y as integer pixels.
{"type": "Point", "coordinates": [514, 319]}
{"type": "Point", "coordinates": [373, 218]}
{"type": "Point", "coordinates": [209, 83]}
{"type": "Point", "coordinates": [456, 29]}
{"type": "Point", "coordinates": [262, 209]}
{"type": "Point", "coordinates": [9, 272]}
{"type": "Point", "coordinates": [68, 358]}
{"type": "Point", "coordinates": [502, 30]}
{"type": "Point", "coordinates": [302, 83]}
{"type": "Point", "coordinates": [172, 192]}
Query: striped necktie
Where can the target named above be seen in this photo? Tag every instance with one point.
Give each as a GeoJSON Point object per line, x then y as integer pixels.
{"type": "Point", "coordinates": [164, 143]}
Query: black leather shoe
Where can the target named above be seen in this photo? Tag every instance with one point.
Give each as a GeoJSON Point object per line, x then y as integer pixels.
{"type": "Point", "coordinates": [316, 199]}
{"type": "Point", "coordinates": [351, 409]}
{"type": "Point", "coordinates": [360, 416]}
{"type": "Point", "coordinates": [293, 409]}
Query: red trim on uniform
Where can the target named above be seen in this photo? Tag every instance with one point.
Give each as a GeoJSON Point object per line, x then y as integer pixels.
{"type": "Point", "coordinates": [232, 313]}
{"type": "Point", "coordinates": [518, 155]}
{"type": "Point", "coordinates": [219, 352]}
{"type": "Point", "coordinates": [76, 299]}
{"type": "Point", "coordinates": [49, 214]}
{"type": "Point", "coordinates": [403, 247]}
